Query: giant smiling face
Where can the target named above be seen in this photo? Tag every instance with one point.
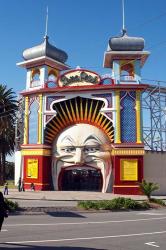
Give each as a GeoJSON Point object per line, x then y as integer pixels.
{"type": "Point", "coordinates": [85, 146]}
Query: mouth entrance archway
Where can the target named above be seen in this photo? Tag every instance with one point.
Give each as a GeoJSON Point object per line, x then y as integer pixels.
{"type": "Point", "coordinates": [81, 180]}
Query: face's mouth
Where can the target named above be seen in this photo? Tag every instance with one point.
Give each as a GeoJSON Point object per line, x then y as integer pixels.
{"type": "Point", "coordinates": [80, 167]}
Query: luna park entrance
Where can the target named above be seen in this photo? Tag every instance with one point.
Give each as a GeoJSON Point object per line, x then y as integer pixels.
{"type": "Point", "coordinates": [81, 180]}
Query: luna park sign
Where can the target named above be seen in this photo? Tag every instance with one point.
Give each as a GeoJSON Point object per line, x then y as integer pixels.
{"type": "Point", "coordinates": [79, 78]}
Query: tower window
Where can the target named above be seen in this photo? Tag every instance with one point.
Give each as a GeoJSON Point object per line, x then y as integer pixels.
{"type": "Point", "coordinates": [127, 72]}
{"type": "Point", "coordinates": [35, 78]}
{"type": "Point", "coordinates": [52, 80]}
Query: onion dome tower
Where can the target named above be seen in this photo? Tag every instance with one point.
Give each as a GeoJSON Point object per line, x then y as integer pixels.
{"type": "Point", "coordinates": [44, 64]}
{"type": "Point", "coordinates": [126, 56]}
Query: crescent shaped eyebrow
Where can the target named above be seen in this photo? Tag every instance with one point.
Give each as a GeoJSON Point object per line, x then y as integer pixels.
{"type": "Point", "coordinates": [68, 138]}
{"type": "Point", "coordinates": [93, 137]}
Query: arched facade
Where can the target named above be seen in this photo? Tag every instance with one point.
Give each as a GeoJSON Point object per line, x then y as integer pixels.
{"type": "Point", "coordinates": [89, 130]}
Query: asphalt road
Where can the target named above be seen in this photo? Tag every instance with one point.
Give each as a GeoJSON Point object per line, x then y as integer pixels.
{"type": "Point", "coordinates": [72, 230]}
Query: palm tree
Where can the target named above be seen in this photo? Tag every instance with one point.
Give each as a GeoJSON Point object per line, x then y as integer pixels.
{"type": "Point", "coordinates": [148, 187]}
{"type": "Point", "coordinates": [8, 108]}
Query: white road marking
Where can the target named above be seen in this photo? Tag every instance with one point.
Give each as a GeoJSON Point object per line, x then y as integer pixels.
{"type": "Point", "coordinates": [152, 244]}
{"type": "Point", "coordinates": [86, 238]}
{"type": "Point", "coordinates": [160, 214]}
{"type": "Point", "coordinates": [83, 223]}
{"type": "Point", "coordinates": [4, 230]}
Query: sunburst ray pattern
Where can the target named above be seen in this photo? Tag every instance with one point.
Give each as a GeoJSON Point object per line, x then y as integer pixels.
{"type": "Point", "coordinates": [78, 110]}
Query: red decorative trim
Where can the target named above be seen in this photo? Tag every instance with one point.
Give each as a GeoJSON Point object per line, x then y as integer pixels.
{"type": "Point", "coordinates": [33, 146]}
{"type": "Point", "coordinates": [127, 190]}
{"type": "Point", "coordinates": [128, 145]}
{"type": "Point", "coordinates": [99, 87]}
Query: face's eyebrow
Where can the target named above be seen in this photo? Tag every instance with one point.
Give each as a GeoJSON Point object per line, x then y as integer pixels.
{"type": "Point", "coordinates": [93, 138]}
{"type": "Point", "coordinates": [68, 139]}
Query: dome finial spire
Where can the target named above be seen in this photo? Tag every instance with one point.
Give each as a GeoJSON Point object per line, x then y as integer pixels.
{"type": "Point", "coordinates": [46, 31]}
{"type": "Point", "coordinates": [123, 19]}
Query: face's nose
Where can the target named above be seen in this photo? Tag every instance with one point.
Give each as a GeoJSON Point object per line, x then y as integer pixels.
{"type": "Point", "coordinates": [79, 156]}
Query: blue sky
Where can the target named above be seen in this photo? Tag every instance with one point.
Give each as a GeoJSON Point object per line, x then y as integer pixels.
{"type": "Point", "coordinates": [81, 28]}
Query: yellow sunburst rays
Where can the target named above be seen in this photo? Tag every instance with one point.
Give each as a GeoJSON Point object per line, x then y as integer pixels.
{"type": "Point", "coordinates": [77, 112]}
{"type": "Point", "coordinates": [81, 110]}
{"type": "Point", "coordinates": [110, 132]}
{"type": "Point", "coordinates": [97, 117]}
{"type": "Point", "coordinates": [100, 120]}
{"type": "Point", "coordinates": [103, 122]}
{"type": "Point", "coordinates": [94, 113]}
{"type": "Point", "coordinates": [72, 111]}
{"type": "Point", "coordinates": [111, 136]}
{"type": "Point", "coordinates": [50, 135]}
{"type": "Point", "coordinates": [106, 126]}
{"type": "Point", "coordinates": [68, 112]}
{"type": "Point", "coordinates": [86, 110]}
{"type": "Point", "coordinates": [90, 111]}
{"type": "Point", "coordinates": [65, 116]}
{"type": "Point", "coordinates": [54, 127]}
{"type": "Point", "coordinates": [57, 123]}
{"type": "Point", "coordinates": [62, 118]}
{"type": "Point", "coordinates": [52, 131]}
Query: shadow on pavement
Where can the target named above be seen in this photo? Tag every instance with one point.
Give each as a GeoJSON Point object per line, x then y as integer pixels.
{"type": "Point", "coordinates": [65, 214]}
{"type": "Point", "coordinates": [32, 247]}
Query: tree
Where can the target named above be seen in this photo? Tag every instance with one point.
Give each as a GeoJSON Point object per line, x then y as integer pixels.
{"type": "Point", "coordinates": [8, 108]}
{"type": "Point", "coordinates": [148, 187]}
{"type": "Point", "coordinates": [9, 170]}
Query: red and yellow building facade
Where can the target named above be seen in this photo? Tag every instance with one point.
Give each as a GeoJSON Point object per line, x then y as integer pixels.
{"type": "Point", "coordinates": [61, 103]}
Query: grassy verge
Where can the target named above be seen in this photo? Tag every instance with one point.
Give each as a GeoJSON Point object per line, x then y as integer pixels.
{"type": "Point", "coordinates": [10, 184]}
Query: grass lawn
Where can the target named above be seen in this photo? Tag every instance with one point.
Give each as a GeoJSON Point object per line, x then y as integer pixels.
{"type": "Point", "coordinates": [10, 184]}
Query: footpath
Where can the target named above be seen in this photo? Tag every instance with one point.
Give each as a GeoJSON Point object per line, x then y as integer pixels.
{"type": "Point", "coordinates": [61, 200]}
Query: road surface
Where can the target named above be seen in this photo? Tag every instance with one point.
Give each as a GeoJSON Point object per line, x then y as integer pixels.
{"type": "Point", "coordinates": [137, 230]}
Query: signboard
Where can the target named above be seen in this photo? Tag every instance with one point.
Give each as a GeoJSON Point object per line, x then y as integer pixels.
{"type": "Point", "coordinates": [78, 77]}
{"type": "Point", "coordinates": [32, 168]}
{"type": "Point", "coordinates": [129, 170]}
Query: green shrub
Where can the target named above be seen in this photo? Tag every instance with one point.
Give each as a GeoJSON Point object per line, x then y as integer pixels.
{"type": "Point", "coordinates": [148, 187]}
{"type": "Point", "coordinates": [114, 204]}
{"type": "Point", "coordinates": [105, 204]}
{"type": "Point", "coordinates": [117, 203]}
{"type": "Point", "coordinates": [88, 204]}
{"type": "Point", "coordinates": [13, 206]}
{"type": "Point", "coordinates": [131, 204]}
{"type": "Point", "coordinates": [145, 205]}
{"type": "Point", "coordinates": [158, 201]}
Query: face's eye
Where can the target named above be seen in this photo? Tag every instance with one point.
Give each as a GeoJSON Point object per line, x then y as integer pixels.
{"type": "Point", "coordinates": [68, 150]}
{"type": "Point", "coordinates": [91, 149]}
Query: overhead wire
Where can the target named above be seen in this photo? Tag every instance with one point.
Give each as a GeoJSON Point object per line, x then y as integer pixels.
{"type": "Point", "coordinates": [142, 24]}
{"type": "Point", "coordinates": [149, 20]}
